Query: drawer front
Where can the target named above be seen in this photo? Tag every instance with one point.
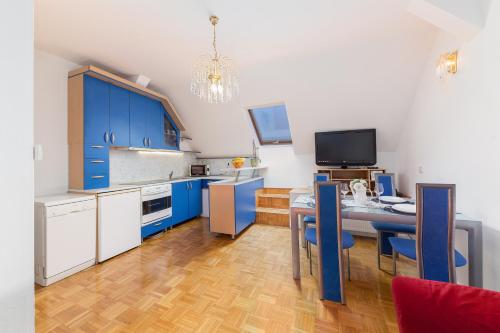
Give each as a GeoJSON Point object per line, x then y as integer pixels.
{"type": "Point", "coordinates": [96, 166]}
{"type": "Point", "coordinates": [155, 227]}
{"type": "Point", "coordinates": [95, 180]}
{"type": "Point", "coordinates": [96, 151]}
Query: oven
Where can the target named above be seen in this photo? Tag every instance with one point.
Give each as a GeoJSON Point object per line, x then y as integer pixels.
{"type": "Point", "coordinates": [199, 170]}
{"type": "Point", "coordinates": [156, 203]}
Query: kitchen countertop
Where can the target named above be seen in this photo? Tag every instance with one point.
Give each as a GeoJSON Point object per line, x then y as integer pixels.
{"type": "Point", "coordinates": [232, 182]}
{"type": "Point", "coordinates": [131, 185]}
{"type": "Point", "coordinates": [62, 199]}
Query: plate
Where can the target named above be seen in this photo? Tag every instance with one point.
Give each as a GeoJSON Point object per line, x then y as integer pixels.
{"type": "Point", "coordinates": [392, 200]}
{"type": "Point", "coordinates": [405, 208]}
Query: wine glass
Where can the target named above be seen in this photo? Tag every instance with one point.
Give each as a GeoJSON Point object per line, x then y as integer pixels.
{"type": "Point", "coordinates": [379, 189]}
{"type": "Point", "coordinates": [344, 189]}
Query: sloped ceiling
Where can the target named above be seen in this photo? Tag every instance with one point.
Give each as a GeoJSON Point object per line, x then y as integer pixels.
{"type": "Point", "coordinates": [336, 64]}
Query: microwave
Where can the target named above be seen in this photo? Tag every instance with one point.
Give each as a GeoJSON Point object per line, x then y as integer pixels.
{"type": "Point", "coordinates": [199, 170]}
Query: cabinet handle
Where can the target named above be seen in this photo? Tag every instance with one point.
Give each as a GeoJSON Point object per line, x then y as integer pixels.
{"type": "Point", "coordinates": [98, 147]}
{"type": "Point", "coordinates": [112, 137]}
{"type": "Point", "coordinates": [106, 136]}
{"type": "Point", "coordinates": [97, 161]}
{"type": "Point", "coordinates": [97, 177]}
{"type": "Point", "coordinates": [145, 142]}
{"type": "Point", "coordinates": [157, 224]}
{"type": "Point", "coordinates": [149, 142]}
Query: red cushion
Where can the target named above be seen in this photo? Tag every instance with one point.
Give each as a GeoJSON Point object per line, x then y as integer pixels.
{"type": "Point", "coordinates": [431, 306]}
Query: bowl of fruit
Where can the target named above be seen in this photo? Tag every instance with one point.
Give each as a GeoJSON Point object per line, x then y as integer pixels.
{"type": "Point", "coordinates": [238, 162]}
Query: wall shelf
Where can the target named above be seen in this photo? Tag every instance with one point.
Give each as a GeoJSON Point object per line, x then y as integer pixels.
{"type": "Point", "coordinates": [240, 170]}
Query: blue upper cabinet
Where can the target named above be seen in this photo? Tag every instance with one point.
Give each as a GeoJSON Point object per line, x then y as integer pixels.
{"type": "Point", "coordinates": [96, 111]}
{"type": "Point", "coordinates": [170, 132]}
{"type": "Point", "coordinates": [119, 116]}
{"type": "Point", "coordinates": [195, 198]}
{"type": "Point", "coordinates": [155, 124]}
{"type": "Point", "coordinates": [138, 120]}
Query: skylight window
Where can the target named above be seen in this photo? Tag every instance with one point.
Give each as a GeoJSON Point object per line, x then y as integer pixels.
{"type": "Point", "coordinates": [271, 124]}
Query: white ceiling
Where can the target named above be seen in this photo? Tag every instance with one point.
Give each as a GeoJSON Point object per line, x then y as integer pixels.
{"type": "Point", "coordinates": [337, 64]}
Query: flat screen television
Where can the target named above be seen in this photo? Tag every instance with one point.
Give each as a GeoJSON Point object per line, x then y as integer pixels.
{"type": "Point", "coordinates": [346, 148]}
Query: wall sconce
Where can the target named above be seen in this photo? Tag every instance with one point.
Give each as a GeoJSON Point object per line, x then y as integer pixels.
{"type": "Point", "coordinates": [447, 64]}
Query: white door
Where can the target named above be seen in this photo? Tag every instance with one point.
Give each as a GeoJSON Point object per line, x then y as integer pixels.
{"type": "Point", "coordinates": [119, 223]}
{"type": "Point", "coordinates": [70, 241]}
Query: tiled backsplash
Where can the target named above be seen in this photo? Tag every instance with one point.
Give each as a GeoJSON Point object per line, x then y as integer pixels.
{"type": "Point", "coordinates": [127, 166]}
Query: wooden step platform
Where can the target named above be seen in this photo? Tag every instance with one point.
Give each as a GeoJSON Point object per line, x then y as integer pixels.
{"type": "Point", "coordinates": [273, 206]}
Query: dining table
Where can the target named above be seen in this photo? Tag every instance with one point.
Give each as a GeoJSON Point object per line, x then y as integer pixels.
{"type": "Point", "coordinates": [302, 204]}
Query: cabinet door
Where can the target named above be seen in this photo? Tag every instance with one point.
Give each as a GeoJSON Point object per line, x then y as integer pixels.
{"type": "Point", "coordinates": [138, 120]}
{"type": "Point", "coordinates": [96, 111]}
{"type": "Point", "coordinates": [244, 203]}
{"type": "Point", "coordinates": [119, 116]}
{"type": "Point", "coordinates": [170, 132]}
{"type": "Point", "coordinates": [155, 124]}
{"type": "Point", "coordinates": [194, 198]}
{"type": "Point", "coordinates": [180, 202]}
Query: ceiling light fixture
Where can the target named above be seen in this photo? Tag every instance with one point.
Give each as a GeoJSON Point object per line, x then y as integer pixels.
{"type": "Point", "coordinates": [447, 64]}
{"type": "Point", "coordinates": [214, 79]}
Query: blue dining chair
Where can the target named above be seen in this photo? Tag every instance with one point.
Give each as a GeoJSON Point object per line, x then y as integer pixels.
{"type": "Point", "coordinates": [317, 177]}
{"type": "Point", "coordinates": [347, 243]}
{"type": "Point", "coordinates": [330, 241]}
{"type": "Point", "coordinates": [386, 230]}
{"type": "Point", "coordinates": [310, 220]}
{"type": "Point", "coordinates": [434, 249]}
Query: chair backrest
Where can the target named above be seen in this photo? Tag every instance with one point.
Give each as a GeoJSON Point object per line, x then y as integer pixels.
{"type": "Point", "coordinates": [321, 177]}
{"type": "Point", "coordinates": [436, 232]}
{"type": "Point", "coordinates": [329, 236]}
{"type": "Point", "coordinates": [388, 181]}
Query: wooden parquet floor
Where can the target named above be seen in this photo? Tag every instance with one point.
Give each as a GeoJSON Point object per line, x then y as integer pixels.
{"type": "Point", "coordinates": [189, 280]}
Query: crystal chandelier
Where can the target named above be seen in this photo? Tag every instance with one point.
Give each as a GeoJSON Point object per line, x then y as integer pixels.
{"type": "Point", "coordinates": [214, 79]}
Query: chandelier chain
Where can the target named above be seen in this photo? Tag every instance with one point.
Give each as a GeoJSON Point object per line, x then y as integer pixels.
{"type": "Point", "coordinates": [214, 43]}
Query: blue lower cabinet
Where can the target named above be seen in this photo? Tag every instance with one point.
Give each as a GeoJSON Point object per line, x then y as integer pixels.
{"type": "Point", "coordinates": [180, 202]}
{"type": "Point", "coordinates": [194, 198]}
{"type": "Point", "coordinates": [155, 227]}
{"type": "Point", "coordinates": [186, 200]}
{"type": "Point", "coordinates": [244, 204]}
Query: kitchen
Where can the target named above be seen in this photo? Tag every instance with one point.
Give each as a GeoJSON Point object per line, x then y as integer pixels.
{"type": "Point", "coordinates": [111, 116]}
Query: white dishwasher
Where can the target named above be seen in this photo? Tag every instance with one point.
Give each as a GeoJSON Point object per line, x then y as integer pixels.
{"type": "Point", "coordinates": [65, 236]}
{"type": "Point", "coordinates": [118, 222]}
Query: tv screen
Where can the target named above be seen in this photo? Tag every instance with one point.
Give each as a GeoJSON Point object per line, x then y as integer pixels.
{"type": "Point", "coordinates": [346, 148]}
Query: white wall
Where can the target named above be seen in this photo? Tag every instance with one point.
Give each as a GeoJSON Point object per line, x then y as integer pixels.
{"type": "Point", "coordinates": [51, 122]}
{"type": "Point", "coordinates": [16, 169]}
{"type": "Point", "coordinates": [452, 133]}
{"type": "Point", "coordinates": [288, 169]}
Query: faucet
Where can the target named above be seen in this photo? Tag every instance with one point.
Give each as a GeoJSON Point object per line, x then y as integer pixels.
{"type": "Point", "coordinates": [170, 175]}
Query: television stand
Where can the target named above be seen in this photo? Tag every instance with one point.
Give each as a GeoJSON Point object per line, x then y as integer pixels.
{"type": "Point", "coordinates": [345, 175]}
